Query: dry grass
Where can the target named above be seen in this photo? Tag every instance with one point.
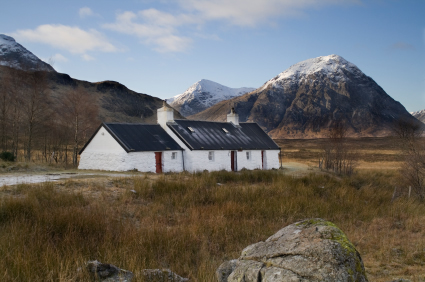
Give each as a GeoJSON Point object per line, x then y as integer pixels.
{"type": "Point", "coordinates": [190, 224]}
{"type": "Point", "coordinates": [375, 153]}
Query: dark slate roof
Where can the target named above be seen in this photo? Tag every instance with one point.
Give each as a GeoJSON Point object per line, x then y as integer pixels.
{"type": "Point", "coordinates": [137, 137]}
{"type": "Point", "coordinates": [209, 135]}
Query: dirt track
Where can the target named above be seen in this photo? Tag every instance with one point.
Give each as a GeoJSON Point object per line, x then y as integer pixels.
{"type": "Point", "coordinates": [292, 168]}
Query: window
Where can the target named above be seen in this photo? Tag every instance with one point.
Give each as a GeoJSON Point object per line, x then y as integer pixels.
{"type": "Point", "coordinates": [174, 155]}
{"type": "Point", "coordinates": [225, 130]}
{"type": "Point", "coordinates": [191, 129]}
{"type": "Point", "coordinates": [211, 156]}
{"type": "Point", "coordinates": [248, 155]}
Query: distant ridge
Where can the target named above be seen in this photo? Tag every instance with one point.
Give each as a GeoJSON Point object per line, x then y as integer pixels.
{"type": "Point", "coordinates": [306, 100]}
{"type": "Point", "coordinates": [116, 102]}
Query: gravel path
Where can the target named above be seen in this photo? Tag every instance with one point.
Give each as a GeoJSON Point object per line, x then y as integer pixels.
{"type": "Point", "coordinates": [292, 168]}
{"type": "Point", "coordinates": [26, 178]}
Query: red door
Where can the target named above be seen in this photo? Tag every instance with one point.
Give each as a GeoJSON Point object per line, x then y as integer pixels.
{"type": "Point", "coordinates": [262, 159]}
{"type": "Point", "coordinates": [232, 160]}
{"type": "Point", "coordinates": [158, 161]}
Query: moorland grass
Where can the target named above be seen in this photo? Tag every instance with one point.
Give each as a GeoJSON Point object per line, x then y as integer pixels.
{"type": "Point", "coordinates": [191, 223]}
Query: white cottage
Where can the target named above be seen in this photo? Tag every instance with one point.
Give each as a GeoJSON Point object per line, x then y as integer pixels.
{"type": "Point", "coordinates": [124, 146]}
{"type": "Point", "coordinates": [177, 145]}
{"type": "Point", "coordinates": [229, 145]}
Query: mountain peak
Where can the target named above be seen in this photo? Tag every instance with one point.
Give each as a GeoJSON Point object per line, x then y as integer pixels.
{"type": "Point", "coordinates": [4, 39]}
{"type": "Point", "coordinates": [14, 55]}
{"type": "Point", "coordinates": [333, 66]}
{"type": "Point", "coordinates": [203, 94]}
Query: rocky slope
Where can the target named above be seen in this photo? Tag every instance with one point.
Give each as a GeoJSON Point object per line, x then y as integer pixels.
{"type": "Point", "coordinates": [308, 98]}
{"type": "Point", "coordinates": [202, 95]}
{"type": "Point", "coordinates": [14, 55]}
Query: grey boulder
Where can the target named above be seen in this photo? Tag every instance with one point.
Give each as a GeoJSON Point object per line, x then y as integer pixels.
{"type": "Point", "coordinates": [309, 250]}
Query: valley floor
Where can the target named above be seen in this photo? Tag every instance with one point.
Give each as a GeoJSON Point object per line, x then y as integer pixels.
{"type": "Point", "coordinates": [191, 223]}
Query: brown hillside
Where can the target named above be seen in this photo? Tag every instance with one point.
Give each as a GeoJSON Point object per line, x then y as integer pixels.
{"type": "Point", "coordinates": [116, 102]}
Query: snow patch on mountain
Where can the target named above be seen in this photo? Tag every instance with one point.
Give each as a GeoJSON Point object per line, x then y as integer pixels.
{"type": "Point", "coordinates": [204, 94]}
{"type": "Point", "coordinates": [13, 54]}
{"type": "Point", "coordinates": [420, 115]}
{"type": "Point", "coordinates": [421, 112]}
{"type": "Point", "coordinates": [332, 66]}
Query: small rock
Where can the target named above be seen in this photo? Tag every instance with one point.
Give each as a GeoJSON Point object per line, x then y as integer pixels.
{"type": "Point", "coordinates": [106, 272]}
{"type": "Point", "coordinates": [164, 275]}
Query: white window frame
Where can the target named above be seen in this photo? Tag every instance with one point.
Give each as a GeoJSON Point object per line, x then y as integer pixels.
{"type": "Point", "coordinates": [211, 156]}
{"type": "Point", "coordinates": [174, 155]}
{"type": "Point", "coordinates": [248, 155]}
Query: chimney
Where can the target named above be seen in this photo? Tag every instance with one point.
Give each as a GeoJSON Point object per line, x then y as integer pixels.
{"type": "Point", "coordinates": [233, 117]}
{"type": "Point", "coordinates": [164, 115]}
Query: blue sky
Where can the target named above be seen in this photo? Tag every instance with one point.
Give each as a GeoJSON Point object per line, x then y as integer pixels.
{"type": "Point", "coordinates": [162, 47]}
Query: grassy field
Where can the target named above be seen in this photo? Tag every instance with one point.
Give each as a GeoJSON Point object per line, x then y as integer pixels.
{"type": "Point", "coordinates": [191, 224]}
{"type": "Point", "coordinates": [376, 153]}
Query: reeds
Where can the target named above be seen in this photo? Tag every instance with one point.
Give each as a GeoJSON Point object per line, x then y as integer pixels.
{"type": "Point", "coordinates": [191, 223]}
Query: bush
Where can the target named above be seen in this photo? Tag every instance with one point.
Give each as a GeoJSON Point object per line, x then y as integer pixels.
{"type": "Point", "coordinates": [7, 156]}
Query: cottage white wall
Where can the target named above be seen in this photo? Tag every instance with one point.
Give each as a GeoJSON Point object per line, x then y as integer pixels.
{"type": "Point", "coordinates": [198, 161]}
{"type": "Point", "coordinates": [103, 141]}
{"type": "Point", "coordinates": [253, 163]}
{"type": "Point", "coordinates": [170, 165]}
{"type": "Point", "coordinates": [104, 153]}
{"type": "Point", "coordinates": [271, 159]}
{"type": "Point", "coordinates": [142, 161]}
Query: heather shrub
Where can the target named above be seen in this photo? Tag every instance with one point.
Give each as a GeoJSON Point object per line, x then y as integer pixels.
{"type": "Point", "coordinates": [7, 156]}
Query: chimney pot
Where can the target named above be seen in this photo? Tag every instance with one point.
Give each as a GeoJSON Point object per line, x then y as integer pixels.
{"type": "Point", "coordinates": [233, 117]}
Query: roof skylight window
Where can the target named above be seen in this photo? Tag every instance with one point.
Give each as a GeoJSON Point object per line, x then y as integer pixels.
{"type": "Point", "coordinates": [191, 129]}
{"type": "Point", "coordinates": [225, 130]}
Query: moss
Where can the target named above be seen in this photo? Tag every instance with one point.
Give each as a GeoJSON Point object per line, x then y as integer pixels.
{"type": "Point", "coordinates": [335, 234]}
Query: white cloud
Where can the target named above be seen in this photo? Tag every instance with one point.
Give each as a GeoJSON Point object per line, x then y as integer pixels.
{"type": "Point", "coordinates": [253, 12]}
{"type": "Point", "coordinates": [87, 57]}
{"type": "Point", "coordinates": [71, 39]}
{"type": "Point", "coordinates": [154, 28]}
{"type": "Point", "coordinates": [163, 30]}
{"type": "Point", "coordinates": [85, 12]}
{"type": "Point", "coordinates": [59, 58]}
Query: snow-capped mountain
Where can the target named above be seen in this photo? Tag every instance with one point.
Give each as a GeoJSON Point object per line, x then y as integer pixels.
{"type": "Point", "coordinates": [202, 95]}
{"type": "Point", "coordinates": [333, 67]}
{"type": "Point", "coordinates": [420, 115]}
{"type": "Point", "coordinates": [13, 54]}
{"type": "Point", "coordinates": [308, 98]}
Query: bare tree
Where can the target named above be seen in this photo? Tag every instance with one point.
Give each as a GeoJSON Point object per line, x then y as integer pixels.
{"type": "Point", "coordinates": [79, 113]}
{"type": "Point", "coordinates": [410, 141]}
{"type": "Point", "coordinates": [13, 87]}
{"type": "Point", "coordinates": [36, 107]}
{"type": "Point", "coordinates": [336, 154]}
{"type": "Point", "coordinates": [4, 114]}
